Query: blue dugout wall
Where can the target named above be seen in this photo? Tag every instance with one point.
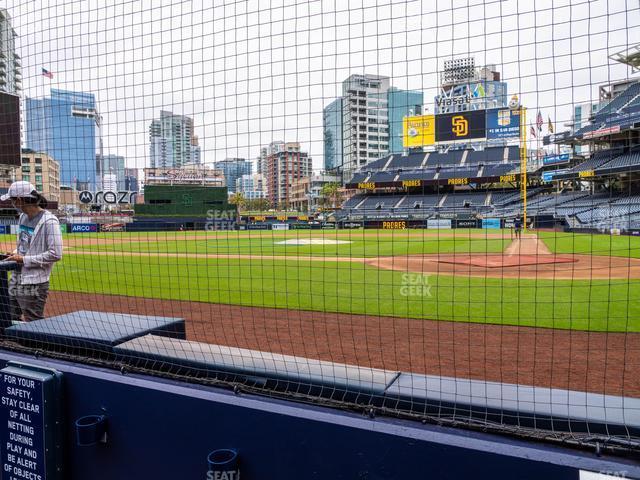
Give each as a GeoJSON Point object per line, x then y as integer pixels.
{"type": "Point", "coordinates": [165, 429]}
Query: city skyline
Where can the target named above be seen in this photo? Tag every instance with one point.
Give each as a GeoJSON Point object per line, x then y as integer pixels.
{"type": "Point", "coordinates": [235, 118]}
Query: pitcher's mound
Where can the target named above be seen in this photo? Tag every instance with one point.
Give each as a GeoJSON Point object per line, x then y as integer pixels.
{"type": "Point", "coordinates": [502, 261]}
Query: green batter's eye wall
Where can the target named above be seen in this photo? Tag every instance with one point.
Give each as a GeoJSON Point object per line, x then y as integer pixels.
{"type": "Point", "coordinates": [162, 200]}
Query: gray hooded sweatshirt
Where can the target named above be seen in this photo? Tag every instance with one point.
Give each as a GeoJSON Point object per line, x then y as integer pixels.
{"type": "Point", "coordinates": [45, 248]}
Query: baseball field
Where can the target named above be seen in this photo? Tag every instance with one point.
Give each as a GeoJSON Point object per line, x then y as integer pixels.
{"type": "Point", "coordinates": [383, 272]}
{"type": "Point", "coordinates": [551, 308]}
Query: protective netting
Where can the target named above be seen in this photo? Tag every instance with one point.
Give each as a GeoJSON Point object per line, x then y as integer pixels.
{"type": "Point", "coordinates": [416, 208]}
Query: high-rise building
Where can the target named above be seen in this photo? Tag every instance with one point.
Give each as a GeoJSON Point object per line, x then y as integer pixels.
{"type": "Point", "coordinates": [195, 150]}
{"type": "Point", "coordinates": [10, 63]}
{"type": "Point", "coordinates": [401, 103]}
{"type": "Point", "coordinates": [43, 172]}
{"type": "Point", "coordinates": [366, 122]}
{"type": "Point", "coordinates": [364, 114]}
{"type": "Point", "coordinates": [332, 123]}
{"type": "Point", "coordinates": [233, 168]}
{"type": "Point", "coordinates": [464, 87]}
{"type": "Point", "coordinates": [112, 165]}
{"type": "Point", "coordinates": [284, 163]}
{"type": "Point", "coordinates": [64, 126]}
{"type": "Point", "coordinates": [131, 180]}
{"type": "Point", "coordinates": [170, 140]}
{"type": "Point", "coordinates": [251, 186]}
{"type": "Point", "coordinates": [261, 161]}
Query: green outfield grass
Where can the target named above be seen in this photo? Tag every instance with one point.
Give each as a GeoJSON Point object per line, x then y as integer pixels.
{"type": "Point", "coordinates": [583, 243]}
{"type": "Point", "coordinates": [356, 288]}
{"type": "Point", "coordinates": [352, 287]}
{"type": "Point", "coordinates": [266, 243]}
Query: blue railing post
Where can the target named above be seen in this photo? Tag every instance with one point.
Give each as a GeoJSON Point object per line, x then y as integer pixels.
{"type": "Point", "coordinates": [5, 308]}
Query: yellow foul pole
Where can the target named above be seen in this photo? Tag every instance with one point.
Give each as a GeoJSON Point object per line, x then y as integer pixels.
{"type": "Point", "coordinates": [523, 165]}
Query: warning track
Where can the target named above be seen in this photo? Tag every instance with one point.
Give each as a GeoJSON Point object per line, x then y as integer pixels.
{"type": "Point", "coordinates": [605, 363]}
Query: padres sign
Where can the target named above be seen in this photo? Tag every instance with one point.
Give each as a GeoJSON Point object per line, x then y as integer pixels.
{"type": "Point", "coordinates": [394, 225]}
{"type": "Point", "coordinates": [461, 126]}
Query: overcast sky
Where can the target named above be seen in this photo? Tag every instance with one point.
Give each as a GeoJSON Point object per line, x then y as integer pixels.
{"type": "Point", "coordinates": [249, 74]}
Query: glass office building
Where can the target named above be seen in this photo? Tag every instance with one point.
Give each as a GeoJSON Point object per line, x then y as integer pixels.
{"type": "Point", "coordinates": [233, 169]}
{"type": "Point", "coordinates": [332, 121]}
{"type": "Point", "coordinates": [401, 103]}
{"type": "Point", "coordinates": [64, 126]}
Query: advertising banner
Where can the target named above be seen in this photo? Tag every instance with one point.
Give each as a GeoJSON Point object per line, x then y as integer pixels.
{"type": "Point", "coordinates": [418, 131]}
{"type": "Point", "coordinates": [461, 126]}
{"type": "Point", "coordinates": [438, 223]}
{"type": "Point", "coordinates": [555, 159]}
{"type": "Point", "coordinates": [548, 176]}
{"type": "Point", "coordinates": [280, 226]}
{"type": "Point", "coordinates": [503, 123]}
{"type": "Point", "coordinates": [84, 227]}
{"type": "Point", "coordinates": [556, 137]}
{"type": "Point", "coordinates": [490, 223]}
{"type": "Point", "coordinates": [351, 225]}
{"type": "Point", "coordinates": [394, 225]}
{"type": "Point", "coordinates": [466, 223]}
{"type": "Point", "coordinates": [602, 132]}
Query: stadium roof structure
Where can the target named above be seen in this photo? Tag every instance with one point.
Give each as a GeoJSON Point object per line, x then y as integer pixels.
{"type": "Point", "coordinates": [620, 115]}
{"type": "Point", "coordinates": [630, 57]}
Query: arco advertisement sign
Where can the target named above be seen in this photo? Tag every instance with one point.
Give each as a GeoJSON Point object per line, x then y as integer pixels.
{"type": "Point", "coordinates": [84, 228]}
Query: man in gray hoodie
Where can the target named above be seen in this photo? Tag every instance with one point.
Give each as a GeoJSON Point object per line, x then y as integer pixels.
{"type": "Point", "coordinates": [39, 247]}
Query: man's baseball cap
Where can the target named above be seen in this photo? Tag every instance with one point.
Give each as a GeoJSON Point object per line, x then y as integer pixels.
{"type": "Point", "coordinates": [20, 189]}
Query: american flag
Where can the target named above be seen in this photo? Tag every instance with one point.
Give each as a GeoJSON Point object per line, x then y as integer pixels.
{"type": "Point", "coordinates": [47, 73]}
{"type": "Point", "coordinates": [539, 121]}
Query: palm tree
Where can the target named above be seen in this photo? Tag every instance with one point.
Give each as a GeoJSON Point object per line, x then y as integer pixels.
{"type": "Point", "coordinates": [331, 191]}
{"type": "Point", "coordinates": [238, 200]}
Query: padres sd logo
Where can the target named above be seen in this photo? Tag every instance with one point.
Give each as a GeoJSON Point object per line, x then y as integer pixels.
{"type": "Point", "coordinates": [460, 126]}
